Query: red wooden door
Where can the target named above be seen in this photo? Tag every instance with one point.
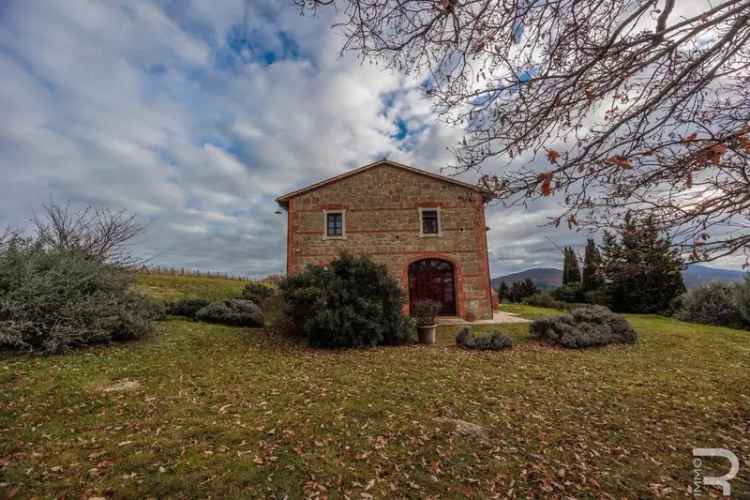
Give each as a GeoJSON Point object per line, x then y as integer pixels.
{"type": "Point", "coordinates": [432, 279]}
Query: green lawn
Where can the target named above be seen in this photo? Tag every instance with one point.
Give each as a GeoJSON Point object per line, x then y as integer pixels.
{"type": "Point", "coordinates": [231, 412]}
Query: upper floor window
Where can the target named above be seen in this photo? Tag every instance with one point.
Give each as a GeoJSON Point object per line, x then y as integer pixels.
{"type": "Point", "coordinates": [334, 222]}
{"type": "Point", "coordinates": [430, 222]}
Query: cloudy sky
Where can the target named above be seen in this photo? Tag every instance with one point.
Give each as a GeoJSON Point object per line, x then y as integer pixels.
{"type": "Point", "coordinates": [195, 120]}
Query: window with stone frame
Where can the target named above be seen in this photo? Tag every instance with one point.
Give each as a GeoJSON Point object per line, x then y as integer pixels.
{"type": "Point", "coordinates": [334, 224]}
{"type": "Point", "coordinates": [430, 221]}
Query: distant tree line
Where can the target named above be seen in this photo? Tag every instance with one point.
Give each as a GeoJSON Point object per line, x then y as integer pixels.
{"type": "Point", "coordinates": [636, 270]}
{"type": "Point", "coordinates": [517, 290]}
{"type": "Point", "coordinates": [181, 271]}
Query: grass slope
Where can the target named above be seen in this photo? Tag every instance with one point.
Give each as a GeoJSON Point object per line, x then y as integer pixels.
{"type": "Point", "coordinates": [237, 413]}
{"type": "Point", "coordinates": [168, 287]}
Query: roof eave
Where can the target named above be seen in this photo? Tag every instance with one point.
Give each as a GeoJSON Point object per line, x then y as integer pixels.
{"type": "Point", "coordinates": [283, 200]}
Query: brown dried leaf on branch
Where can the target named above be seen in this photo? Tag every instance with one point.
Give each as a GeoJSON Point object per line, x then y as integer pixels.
{"type": "Point", "coordinates": [553, 155]}
{"type": "Point", "coordinates": [546, 180]}
{"type": "Point", "coordinates": [614, 80]}
{"type": "Point", "coordinates": [621, 161]}
{"type": "Point", "coordinates": [715, 152]}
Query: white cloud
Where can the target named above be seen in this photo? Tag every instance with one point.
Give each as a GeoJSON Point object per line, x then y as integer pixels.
{"type": "Point", "coordinates": [141, 106]}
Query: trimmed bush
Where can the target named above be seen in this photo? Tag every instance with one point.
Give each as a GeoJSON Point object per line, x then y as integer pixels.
{"type": "Point", "coordinates": [54, 300]}
{"type": "Point", "coordinates": [545, 299]}
{"type": "Point", "coordinates": [712, 304]}
{"type": "Point", "coordinates": [493, 341]}
{"type": "Point", "coordinates": [584, 327]}
{"type": "Point", "coordinates": [352, 302]}
{"type": "Point", "coordinates": [187, 307]}
{"type": "Point", "coordinates": [233, 312]}
{"type": "Point", "coordinates": [257, 293]}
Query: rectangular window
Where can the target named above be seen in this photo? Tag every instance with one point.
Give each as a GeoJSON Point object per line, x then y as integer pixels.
{"type": "Point", "coordinates": [430, 222]}
{"type": "Point", "coordinates": [334, 224]}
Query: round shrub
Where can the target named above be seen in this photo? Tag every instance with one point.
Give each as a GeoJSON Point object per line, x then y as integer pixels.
{"type": "Point", "coordinates": [187, 307]}
{"type": "Point", "coordinates": [352, 302]}
{"type": "Point", "coordinates": [234, 312]}
{"type": "Point", "coordinates": [712, 304]}
{"type": "Point", "coordinates": [584, 327]}
{"type": "Point", "coordinates": [493, 341]}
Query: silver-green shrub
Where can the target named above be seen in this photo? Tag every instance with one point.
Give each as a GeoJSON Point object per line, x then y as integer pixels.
{"type": "Point", "coordinates": [713, 304]}
{"type": "Point", "coordinates": [584, 327]}
{"type": "Point", "coordinates": [68, 283]}
{"type": "Point", "coordinates": [493, 341]}
{"type": "Point", "coordinates": [234, 312]}
{"type": "Point", "coordinates": [52, 300]}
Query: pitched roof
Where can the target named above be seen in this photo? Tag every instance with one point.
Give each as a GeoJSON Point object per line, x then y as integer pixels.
{"type": "Point", "coordinates": [284, 199]}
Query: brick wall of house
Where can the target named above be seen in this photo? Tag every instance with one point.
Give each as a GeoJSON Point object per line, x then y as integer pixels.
{"type": "Point", "coordinates": [382, 220]}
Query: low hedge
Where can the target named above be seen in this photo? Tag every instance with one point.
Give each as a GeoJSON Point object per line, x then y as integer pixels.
{"type": "Point", "coordinates": [544, 299]}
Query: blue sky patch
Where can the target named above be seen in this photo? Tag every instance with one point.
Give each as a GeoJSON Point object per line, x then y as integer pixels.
{"type": "Point", "coordinates": [245, 46]}
{"type": "Point", "coordinates": [403, 129]}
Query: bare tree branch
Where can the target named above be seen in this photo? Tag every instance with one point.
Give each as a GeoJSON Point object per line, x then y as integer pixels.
{"type": "Point", "coordinates": [615, 106]}
{"type": "Point", "coordinates": [98, 232]}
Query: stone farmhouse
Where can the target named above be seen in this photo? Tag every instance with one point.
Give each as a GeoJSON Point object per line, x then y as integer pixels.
{"type": "Point", "coordinates": [429, 231]}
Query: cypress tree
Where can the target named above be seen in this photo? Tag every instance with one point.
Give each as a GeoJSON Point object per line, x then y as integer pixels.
{"type": "Point", "coordinates": [592, 277]}
{"type": "Point", "coordinates": [642, 269]}
{"type": "Point", "coordinates": [574, 277]}
{"type": "Point", "coordinates": [571, 271]}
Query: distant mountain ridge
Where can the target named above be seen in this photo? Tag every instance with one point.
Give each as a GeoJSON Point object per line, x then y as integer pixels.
{"type": "Point", "coordinates": [694, 276]}
{"type": "Point", "coordinates": [543, 277]}
{"type": "Point", "coordinates": [697, 275]}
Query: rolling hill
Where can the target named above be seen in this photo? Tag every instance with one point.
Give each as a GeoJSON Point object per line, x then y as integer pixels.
{"type": "Point", "coordinates": [694, 276]}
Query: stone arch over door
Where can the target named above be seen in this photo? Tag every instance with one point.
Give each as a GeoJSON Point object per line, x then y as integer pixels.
{"type": "Point", "coordinates": [436, 277]}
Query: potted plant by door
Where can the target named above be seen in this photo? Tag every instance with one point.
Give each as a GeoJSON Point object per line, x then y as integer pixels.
{"type": "Point", "coordinates": [425, 313]}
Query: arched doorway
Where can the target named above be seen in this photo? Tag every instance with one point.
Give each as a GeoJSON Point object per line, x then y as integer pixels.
{"type": "Point", "coordinates": [433, 279]}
